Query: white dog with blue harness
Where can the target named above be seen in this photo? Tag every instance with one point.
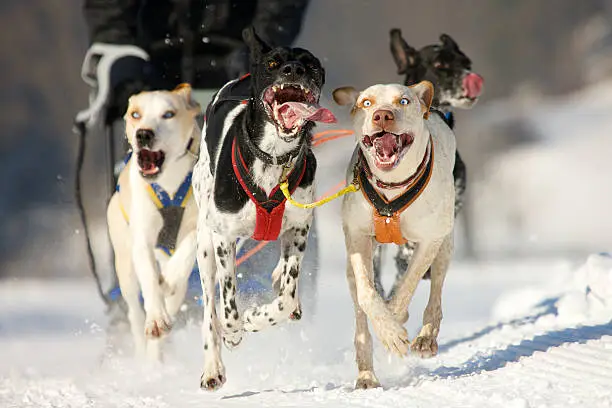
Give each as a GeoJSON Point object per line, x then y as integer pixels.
{"type": "Point", "coordinates": [152, 216]}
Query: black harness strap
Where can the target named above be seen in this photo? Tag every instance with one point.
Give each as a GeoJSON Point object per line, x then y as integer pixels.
{"type": "Point", "coordinates": [387, 208]}
{"type": "Point", "coordinates": [255, 191]}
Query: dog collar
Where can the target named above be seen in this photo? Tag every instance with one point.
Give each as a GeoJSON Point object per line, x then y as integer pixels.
{"type": "Point", "coordinates": [269, 209]}
{"type": "Point", "coordinates": [266, 157]}
{"type": "Point", "coordinates": [387, 213]}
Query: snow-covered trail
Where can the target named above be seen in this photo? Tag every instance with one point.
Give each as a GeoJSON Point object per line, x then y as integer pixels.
{"type": "Point", "coordinates": [523, 335]}
{"type": "Point", "coordinates": [515, 334]}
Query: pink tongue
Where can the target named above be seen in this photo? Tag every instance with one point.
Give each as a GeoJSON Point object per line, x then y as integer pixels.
{"type": "Point", "coordinates": [472, 85]}
{"type": "Point", "coordinates": [386, 145]}
{"type": "Point", "coordinates": [291, 112]}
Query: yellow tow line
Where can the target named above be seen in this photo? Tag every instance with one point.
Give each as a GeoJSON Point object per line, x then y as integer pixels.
{"type": "Point", "coordinates": [284, 186]}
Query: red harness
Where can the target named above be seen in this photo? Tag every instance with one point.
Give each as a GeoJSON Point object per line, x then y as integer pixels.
{"type": "Point", "coordinates": [269, 209]}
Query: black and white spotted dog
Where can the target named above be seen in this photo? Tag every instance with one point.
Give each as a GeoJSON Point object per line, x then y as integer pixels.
{"type": "Point", "coordinates": [257, 129]}
{"type": "Point", "coordinates": [455, 86]}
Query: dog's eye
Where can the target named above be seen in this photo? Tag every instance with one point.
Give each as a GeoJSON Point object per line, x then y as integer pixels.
{"type": "Point", "coordinates": [366, 103]}
{"type": "Point", "coordinates": [272, 64]}
{"type": "Point", "coordinates": [168, 115]}
{"type": "Point", "coordinates": [404, 101]}
{"type": "Point", "coordinates": [135, 115]}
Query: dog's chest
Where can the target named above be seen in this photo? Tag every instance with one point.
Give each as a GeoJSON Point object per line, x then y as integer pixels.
{"type": "Point", "coordinates": [429, 216]}
{"type": "Point", "coordinates": [225, 199]}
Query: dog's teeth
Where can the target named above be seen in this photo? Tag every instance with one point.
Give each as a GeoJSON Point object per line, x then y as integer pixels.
{"type": "Point", "coordinates": [275, 88]}
{"type": "Point", "coordinates": [282, 86]}
{"type": "Point", "coordinates": [306, 90]}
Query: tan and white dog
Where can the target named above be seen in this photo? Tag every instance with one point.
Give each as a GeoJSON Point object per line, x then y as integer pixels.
{"type": "Point", "coordinates": [404, 164]}
{"type": "Point", "coordinates": [152, 216]}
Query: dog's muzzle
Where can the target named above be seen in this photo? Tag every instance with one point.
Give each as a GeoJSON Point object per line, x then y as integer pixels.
{"type": "Point", "coordinates": [290, 105]}
{"type": "Point", "coordinates": [388, 148]}
{"type": "Point", "coordinates": [150, 162]}
{"type": "Point", "coordinates": [145, 138]}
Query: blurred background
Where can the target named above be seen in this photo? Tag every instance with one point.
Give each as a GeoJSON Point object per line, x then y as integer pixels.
{"type": "Point", "coordinates": [537, 145]}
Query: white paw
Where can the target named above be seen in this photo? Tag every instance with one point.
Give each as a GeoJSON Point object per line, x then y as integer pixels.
{"type": "Point", "coordinates": [392, 335]}
{"type": "Point", "coordinates": [425, 346]}
{"type": "Point", "coordinates": [157, 325]}
{"type": "Point", "coordinates": [213, 377]}
{"type": "Point", "coordinates": [366, 380]}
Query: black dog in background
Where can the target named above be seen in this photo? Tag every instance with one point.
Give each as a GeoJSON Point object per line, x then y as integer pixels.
{"type": "Point", "coordinates": [455, 86]}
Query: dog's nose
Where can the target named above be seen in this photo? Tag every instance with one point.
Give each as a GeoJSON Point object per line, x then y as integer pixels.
{"type": "Point", "coordinates": [383, 118]}
{"type": "Point", "coordinates": [144, 137]}
{"type": "Point", "coordinates": [293, 70]}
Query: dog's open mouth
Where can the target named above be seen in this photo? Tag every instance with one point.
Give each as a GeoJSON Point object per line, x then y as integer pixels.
{"type": "Point", "coordinates": [388, 148]}
{"type": "Point", "coordinates": [150, 162]}
{"type": "Point", "coordinates": [291, 105]}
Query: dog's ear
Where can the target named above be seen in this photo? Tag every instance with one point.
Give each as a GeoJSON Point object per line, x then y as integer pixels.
{"type": "Point", "coordinates": [404, 55]}
{"type": "Point", "coordinates": [347, 95]}
{"type": "Point", "coordinates": [184, 91]}
{"type": "Point", "coordinates": [425, 91]}
{"type": "Point", "coordinates": [256, 45]}
{"type": "Point", "coordinates": [448, 42]}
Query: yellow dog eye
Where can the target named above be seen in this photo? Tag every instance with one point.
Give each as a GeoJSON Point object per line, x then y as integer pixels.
{"type": "Point", "coordinates": [272, 64]}
{"type": "Point", "coordinates": [135, 115]}
{"type": "Point", "coordinates": [366, 103]}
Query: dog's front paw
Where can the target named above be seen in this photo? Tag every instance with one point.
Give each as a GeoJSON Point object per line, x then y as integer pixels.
{"type": "Point", "coordinates": [212, 383]}
{"type": "Point", "coordinates": [425, 344]}
{"type": "Point", "coordinates": [213, 377]}
{"type": "Point", "coordinates": [157, 325]}
{"type": "Point", "coordinates": [297, 313]}
{"type": "Point", "coordinates": [366, 380]}
{"type": "Point", "coordinates": [392, 335]}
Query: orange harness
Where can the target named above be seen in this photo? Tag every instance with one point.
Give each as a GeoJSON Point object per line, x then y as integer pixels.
{"type": "Point", "coordinates": [387, 213]}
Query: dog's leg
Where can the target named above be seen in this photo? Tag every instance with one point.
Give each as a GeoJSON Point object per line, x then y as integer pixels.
{"type": "Point", "coordinates": [379, 251]}
{"type": "Point", "coordinates": [213, 376]}
{"type": "Point", "coordinates": [225, 256]}
{"type": "Point", "coordinates": [388, 330]}
{"type": "Point", "coordinates": [422, 259]}
{"type": "Point", "coordinates": [130, 289]}
{"type": "Point", "coordinates": [363, 339]}
{"type": "Point", "coordinates": [144, 227]}
{"type": "Point", "coordinates": [177, 271]}
{"type": "Point", "coordinates": [286, 305]}
{"type": "Point", "coordinates": [157, 320]}
{"type": "Point", "coordinates": [426, 343]}
{"type": "Point", "coordinates": [402, 260]}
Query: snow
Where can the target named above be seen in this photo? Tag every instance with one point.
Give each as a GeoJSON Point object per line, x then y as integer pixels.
{"type": "Point", "coordinates": [553, 195]}
{"type": "Point", "coordinates": [527, 334]}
